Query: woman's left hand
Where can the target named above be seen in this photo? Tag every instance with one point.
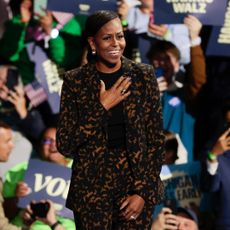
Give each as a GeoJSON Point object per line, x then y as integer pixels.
{"type": "Point", "coordinates": [132, 207]}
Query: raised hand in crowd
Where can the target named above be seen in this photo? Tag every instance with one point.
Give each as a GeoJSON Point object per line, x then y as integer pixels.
{"type": "Point", "coordinates": [46, 22]}
{"type": "Point", "coordinates": [123, 9]}
{"type": "Point", "coordinates": [158, 30]}
{"type": "Point", "coordinates": [222, 144]}
{"type": "Point", "coordinates": [26, 10]}
{"type": "Point", "coordinates": [165, 220]}
{"type": "Point", "coordinates": [194, 26]}
{"type": "Point", "coordinates": [47, 214]}
{"type": "Point", "coordinates": [184, 219]}
{"type": "Point", "coordinates": [18, 99]}
{"type": "Point", "coordinates": [22, 189]}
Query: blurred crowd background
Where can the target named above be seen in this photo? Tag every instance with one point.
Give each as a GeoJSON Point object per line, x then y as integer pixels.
{"type": "Point", "coordinates": [37, 46]}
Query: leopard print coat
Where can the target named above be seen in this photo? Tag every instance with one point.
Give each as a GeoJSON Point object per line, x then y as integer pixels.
{"type": "Point", "coordinates": [82, 133]}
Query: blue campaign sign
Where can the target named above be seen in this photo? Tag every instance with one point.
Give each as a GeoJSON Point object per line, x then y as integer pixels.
{"type": "Point", "coordinates": [85, 7]}
{"type": "Point", "coordinates": [209, 12]}
{"type": "Point", "coordinates": [46, 72]}
{"type": "Point", "coordinates": [182, 189]}
{"type": "Point", "coordinates": [219, 42]}
{"type": "Point", "coordinates": [48, 181]}
{"type": "Point", "coordinates": [182, 183]}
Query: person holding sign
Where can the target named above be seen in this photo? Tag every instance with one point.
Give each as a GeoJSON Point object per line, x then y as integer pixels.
{"type": "Point", "coordinates": [6, 146]}
{"type": "Point", "coordinates": [180, 87]}
{"type": "Point", "coordinates": [140, 20]}
{"type": "Point", "coordinates": [54, 34]}
{"type": "Point", "coordinates": [14, 187]}
{"type": "Point", "coordinates": [44, 45]}
{"type": "Point", "coordinates": [111, 125]}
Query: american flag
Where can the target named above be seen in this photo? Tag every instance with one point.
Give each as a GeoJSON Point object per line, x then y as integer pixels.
{"type": "Point", "coordinates": [36, 93]}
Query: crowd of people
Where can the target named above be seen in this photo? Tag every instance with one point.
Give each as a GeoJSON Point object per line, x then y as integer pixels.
{"type": "Point", "coordinates": [114, 97]}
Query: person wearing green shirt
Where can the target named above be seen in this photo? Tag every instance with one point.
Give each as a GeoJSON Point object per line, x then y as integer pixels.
{"type": "Point", "coordinates": [15, 187]}
{"type": "Point", "coordinates": [63, 48]}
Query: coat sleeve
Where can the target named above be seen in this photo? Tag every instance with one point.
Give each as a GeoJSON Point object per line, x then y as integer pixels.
{"type": "Point", "coordinates": [152, 185]}
{"type": "Point", "coordinates": [80, 120]}
{"type": "Point", "coordinates": [196, 74]}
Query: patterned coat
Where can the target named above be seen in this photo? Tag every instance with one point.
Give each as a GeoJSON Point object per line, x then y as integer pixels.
{"type": "Point", "coordinates": [82, 133]}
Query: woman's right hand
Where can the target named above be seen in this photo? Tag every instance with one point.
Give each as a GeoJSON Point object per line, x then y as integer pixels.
{"type": "Point", "coordinates": [117, 93]}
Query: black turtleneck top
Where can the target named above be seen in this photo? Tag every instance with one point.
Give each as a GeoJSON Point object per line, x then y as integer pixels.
{"type": "Point", "coordinates": [116, 123]}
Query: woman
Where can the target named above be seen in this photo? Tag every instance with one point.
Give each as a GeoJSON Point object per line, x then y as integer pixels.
{"type": "Point", "coordinates": [110, 124]}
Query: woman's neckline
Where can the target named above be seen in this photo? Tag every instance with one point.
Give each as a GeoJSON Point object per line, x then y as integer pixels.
{"type": "Point", "coordinates": [110, 73]}
{"type": "Point", "coordinates": [113, 70]}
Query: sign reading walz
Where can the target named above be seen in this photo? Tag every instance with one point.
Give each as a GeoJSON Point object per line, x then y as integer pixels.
{"type": "Point", "coordinates": [219, 41]}
{"type": "Point", "coordinates": [85, 7]}
{"type": "Point", "coordinates": [52, 183]}
{"type": "Point", "coordinates": [209, 12]}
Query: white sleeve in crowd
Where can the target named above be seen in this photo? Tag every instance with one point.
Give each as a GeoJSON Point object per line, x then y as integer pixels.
{"type": "Point", "coordinates": [180, 37]}
{"type": "Point", "coordinates": [137, 21]}
{"type": "Point", "coordinates": [212, 167]}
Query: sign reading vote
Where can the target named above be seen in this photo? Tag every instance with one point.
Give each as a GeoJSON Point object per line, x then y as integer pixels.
{"type": "Point", "coordinates": [48, 181]}
{"type": "Point", "coordinates": [219, 41]}
{"type": "Point", "coordinates": [209, 12]}
{"type": "Point", "coordinates": [85, 7]}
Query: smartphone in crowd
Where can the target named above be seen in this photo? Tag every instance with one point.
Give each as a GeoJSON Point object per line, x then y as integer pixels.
{"type": "Point", "coordinates": [39, 8]}
{"type": "Point", "coordinates": [159, 72]}
{"type": "Point", "coordinates": [40, 209]}
{"type": "Point", "coordinates": [12, 78]}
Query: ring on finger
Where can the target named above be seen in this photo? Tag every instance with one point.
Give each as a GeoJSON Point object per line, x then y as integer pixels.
{"type": "Point", "coordinates": [132, 217]}
{"type": "Point", "coordinates": [123, 91]}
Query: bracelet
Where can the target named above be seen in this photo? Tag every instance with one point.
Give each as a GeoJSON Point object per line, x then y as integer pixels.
{"type": "Point", "coordinates": [211, 156]}
{"type": "Point", "coordinates": [53, 226]}
{"type": "Point", "coordinates": [124, 23]}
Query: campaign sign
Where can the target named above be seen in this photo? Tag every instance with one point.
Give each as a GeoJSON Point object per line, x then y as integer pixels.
{"type": "Point", "coordinates": [48, 181]}
{"type": "Point", "coordinates": [85, 7]}
{"type": "Point", "coordinates": [219, 41]}
{"type": "Point", "coordinates": [46, 73]}
{"type": "Point", "coordinates": [182, 183]}
{"type": "Point", "coordinates": [209, 12]}
{"type": "Point", "coordinates": [217, 44]}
